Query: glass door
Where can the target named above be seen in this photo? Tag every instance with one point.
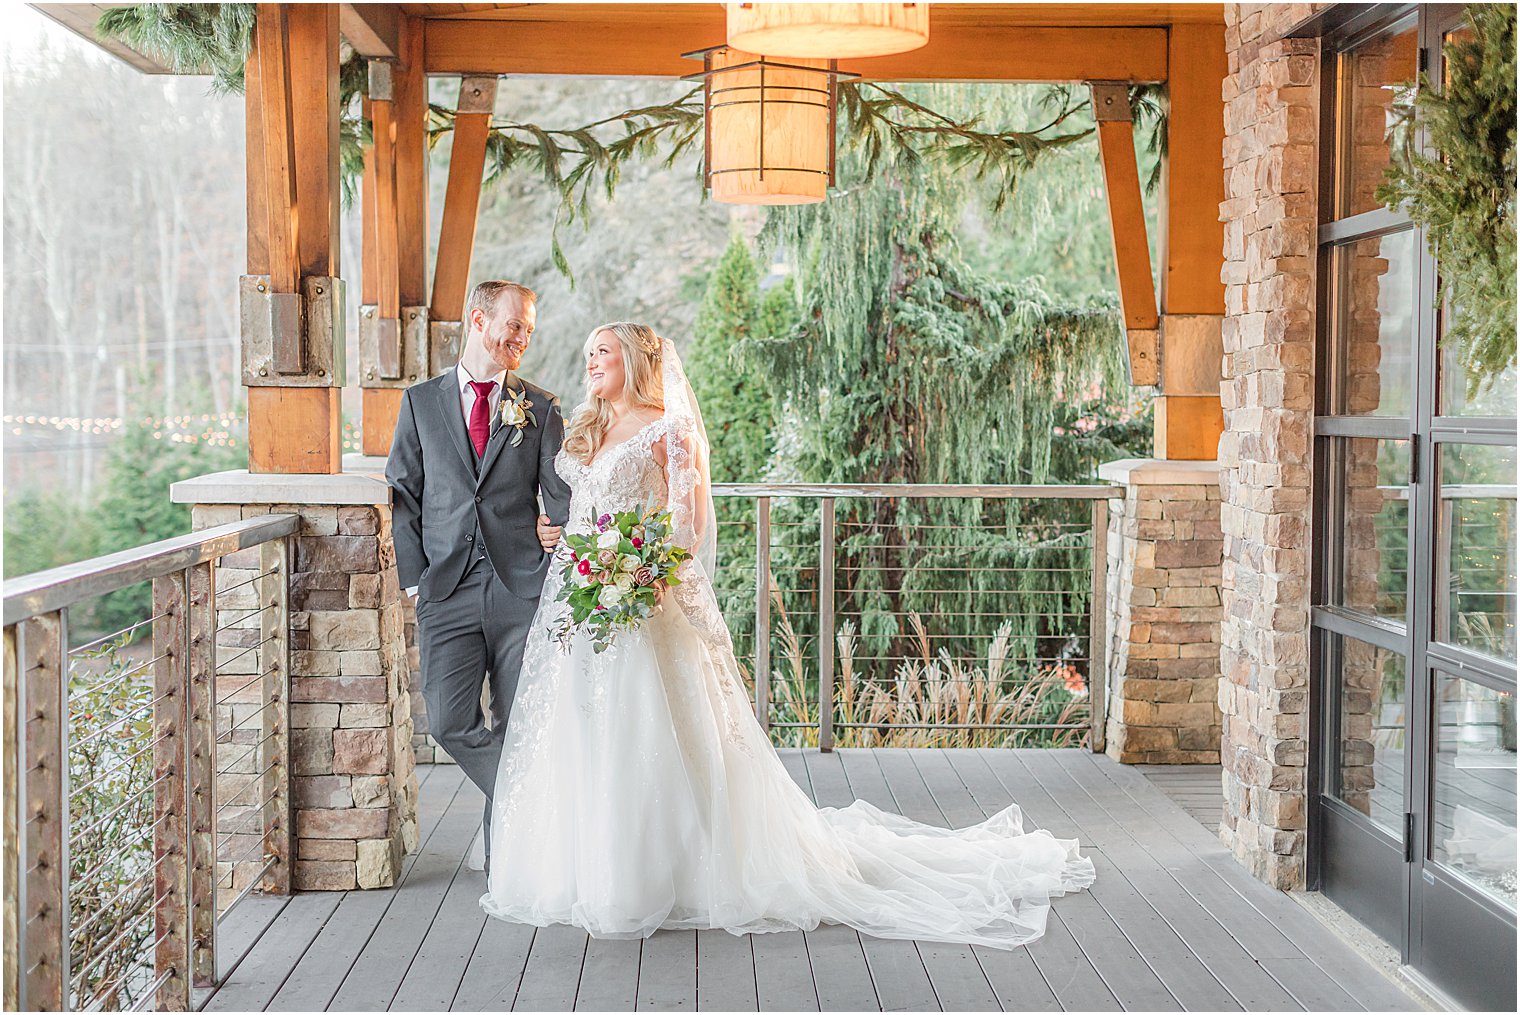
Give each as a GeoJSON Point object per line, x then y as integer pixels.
{"type": "Point", "coordinates": [1413, 827]}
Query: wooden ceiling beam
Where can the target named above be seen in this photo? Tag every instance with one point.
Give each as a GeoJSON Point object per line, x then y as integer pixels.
{"type": "Point", "coordinates": [631, 49]}
{"type": "Point", "coordinates": [373, 30]}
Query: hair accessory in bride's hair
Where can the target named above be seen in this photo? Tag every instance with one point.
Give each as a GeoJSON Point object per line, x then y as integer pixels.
{"type": "Point", "coordinates": [650, 342]}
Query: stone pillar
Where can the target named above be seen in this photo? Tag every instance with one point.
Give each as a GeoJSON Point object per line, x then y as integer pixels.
{"type": "Point", "coordinates": [1164, 546]}
{"type": "Point", "coordinates": [1269, 214]}
{"type": "Point", "coordinates": [354, 786]}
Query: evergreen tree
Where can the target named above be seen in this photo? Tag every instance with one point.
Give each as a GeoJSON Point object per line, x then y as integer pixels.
{"type": "Point", "coordinates": [908, 366]}
{"type": "Point", "coordinates": [736, 405]}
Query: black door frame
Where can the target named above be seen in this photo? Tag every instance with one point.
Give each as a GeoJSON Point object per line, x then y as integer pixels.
{"type": "Point", "coordinates": [1429, 903]}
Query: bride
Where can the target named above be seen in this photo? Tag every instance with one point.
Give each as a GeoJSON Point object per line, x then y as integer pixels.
{"type": "Point", "coordinates": [638, 791]}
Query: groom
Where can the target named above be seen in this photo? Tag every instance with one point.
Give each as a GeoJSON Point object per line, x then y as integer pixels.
{"type": "Point", "coordinates": [473, 450]}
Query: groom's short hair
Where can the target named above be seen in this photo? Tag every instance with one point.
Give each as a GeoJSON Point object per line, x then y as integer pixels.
{"type": "Point", "coordinates": [486, 293]}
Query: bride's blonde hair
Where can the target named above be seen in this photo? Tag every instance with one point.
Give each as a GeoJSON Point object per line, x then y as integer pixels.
{"type": "Point", "coordinates": [643, 388]}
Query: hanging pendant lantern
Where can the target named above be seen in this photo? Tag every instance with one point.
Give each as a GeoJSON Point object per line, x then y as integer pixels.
{"type": "Point", "coordinates": [768, 127]}
{"type": "Point", "coordinates": [841, 31]}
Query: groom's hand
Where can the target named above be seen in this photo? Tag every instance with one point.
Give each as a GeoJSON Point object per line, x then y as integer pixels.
{"type": "Point", "coordinates": [548, 534]}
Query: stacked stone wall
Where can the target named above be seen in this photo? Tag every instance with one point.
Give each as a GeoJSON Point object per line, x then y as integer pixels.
{"type": "Point", "coordinates": [1270, 219]}
{"type": "Point", "coordinates": [353, 783]}
{"type": "Point", "coordinates": [1164, 547]}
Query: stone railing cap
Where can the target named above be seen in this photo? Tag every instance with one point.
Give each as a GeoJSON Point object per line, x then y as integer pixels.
{"type": "Point", "coordinates": [362, 481]}
{"type": "Point", "coordinates": [1159, 472]}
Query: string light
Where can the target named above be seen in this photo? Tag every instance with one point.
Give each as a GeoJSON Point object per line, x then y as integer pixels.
{"type": "Point", "coordinates": [183, 429]}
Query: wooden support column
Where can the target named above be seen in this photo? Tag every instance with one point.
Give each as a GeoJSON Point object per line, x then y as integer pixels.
{"type": "Point", "coordinates": [395, 242]}
{"type": "Point", "coordinates": [1189, 419]}
{"type": "Point", "coordinates": [1126, 218]}
{"type": "Point", "coordinates": [292, 297]}
{"type": "Point", "coordinates": [461, 201]}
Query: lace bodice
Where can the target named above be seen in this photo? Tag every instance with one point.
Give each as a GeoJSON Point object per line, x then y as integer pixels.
{"type": "Point", "coordinates": [621, 477]}
{"type": "Point", "coordinates": [625, 477]}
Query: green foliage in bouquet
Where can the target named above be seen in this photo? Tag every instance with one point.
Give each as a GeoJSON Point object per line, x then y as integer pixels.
{"type": "Point", "coordinates": [614, 573]}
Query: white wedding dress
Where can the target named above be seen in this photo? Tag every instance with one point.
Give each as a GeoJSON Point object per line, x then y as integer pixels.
{"type": "Point", "coordinates": [637, 790]}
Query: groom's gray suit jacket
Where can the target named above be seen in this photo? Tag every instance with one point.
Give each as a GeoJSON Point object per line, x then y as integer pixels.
{"type": "Point", "coordinates": [445, 502]}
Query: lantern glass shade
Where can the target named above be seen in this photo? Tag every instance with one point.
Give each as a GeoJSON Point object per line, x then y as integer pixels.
{"type": "Point", "coordinates": [770, 128]}
{"type": "Point", "coordinates": [841, 31]}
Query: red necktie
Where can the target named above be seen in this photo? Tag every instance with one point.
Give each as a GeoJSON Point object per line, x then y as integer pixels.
{"type": "Point", "coordinates": [480, 415]}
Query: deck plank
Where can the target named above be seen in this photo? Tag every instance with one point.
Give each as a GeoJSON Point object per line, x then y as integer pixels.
{"type": "Point", "coordinates": [783, 974]}
{"type": "Point", "coordinates": [1073, 983]}
{"type": "Point", "coordinates": [322, 969]}
{"type": "Point", "coordinates": [1186, 976]}
{"type": "Point", "coordinates": [609, 975]}
{"type": "Point", "coordinates": [439, 966]}
{"type": "Point", "coordinates": [377, 972]}
{"type": "Point", "coordinates": [668, 972]}
{"type": "Point", "coordinates": [1173, 921]}
{"type": "Point", "coordinates": [725, 972]}
{"type": "Point", "coordinates": [841, 974]}
{"type": "Point", "coordinates": [1229, 963]}
{"type": "Point", "coordinates": [495, 968]}
{"type": "Point", "coordinates": [1015, 980]}
{"type": "Point", "coordinates": [958, 979]}
{"type": "Point", "coordinates": [1124, 971]}
{"type": "Point", "coordinates": [264, 970]}
{"type": "Point", "coordinates": [553, 972]}
{"type": "Point", "coordinates": [1344, 965]}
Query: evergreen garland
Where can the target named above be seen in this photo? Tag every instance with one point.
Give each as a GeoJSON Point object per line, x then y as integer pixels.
{"type": "Point", "coordinates": [1464, 195]}
{"type": "Point", "coordinates": [886, 125]}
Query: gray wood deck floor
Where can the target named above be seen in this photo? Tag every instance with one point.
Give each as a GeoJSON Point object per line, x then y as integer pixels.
{"type": "Point", "coordinates": [1173, 923]}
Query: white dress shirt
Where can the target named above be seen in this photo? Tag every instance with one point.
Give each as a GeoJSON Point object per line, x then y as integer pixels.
{"type": "Point", "coordinates": [467, 398]}
{"type": "Point", "coordinates": [467, 393]}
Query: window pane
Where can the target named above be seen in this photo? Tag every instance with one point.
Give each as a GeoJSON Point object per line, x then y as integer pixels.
{"type": "Point", "coordinates": [1477, 548]}
{"type": "Point", "coordinates": [1374, 307]}
{"type": "Point", "coordinates": [1473, 822]}
{"type": "Point", "coordinates": [1469, 388]}
{"type": "Point", "coordinates": [1375, 77]}
{"type": "Point", "coordinates": [1367, 771]}
{"type": "Point", "coordinates": [1372, 484]}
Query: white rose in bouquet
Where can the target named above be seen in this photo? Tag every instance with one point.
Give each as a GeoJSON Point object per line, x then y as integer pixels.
{"type": "Point", "coordinates": [609, 540]}
{"type": "Point", "coordinates": [629, 562]}
{"type": "Point", "coordinates": [610, 596]}
{"type": "Point", "coordinates": [623, 582]}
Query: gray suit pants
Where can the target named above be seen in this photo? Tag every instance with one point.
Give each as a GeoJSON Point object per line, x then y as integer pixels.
{"type": "Point", "coordinates": [474, 635]}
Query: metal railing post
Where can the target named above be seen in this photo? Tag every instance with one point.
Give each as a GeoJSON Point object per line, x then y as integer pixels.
{"type": "Point", "coordinates": [763, 611]}
{"type": "Point", "coordinates": [274, 664]}
{"type": "Point", "coordinates": [200, 801]}
{"type": "Point", "coordinates": [1097, 629]}
{"type": "Point", "coordinates": [13, 824]}
{"type": "Point", "coordinates": [44, 913]}
{"type": "Point", "coordinates": [826, 628]}
{"type": "Point", "coordinates": [171, 728]}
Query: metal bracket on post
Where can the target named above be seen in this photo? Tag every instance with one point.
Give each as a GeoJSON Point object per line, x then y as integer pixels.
{"type": "Point", "coordinates": [392, 353]}
{"type": "Point", "coordinates": [381, 88]}
{"type": "Point", "coordinates": [1110, 101]}
{"type": "Point", "coordinates": [477, 94]}
{"type": "Point", "coordinates": [292, 340]}
{"type": "Point", "coordinates": [1142, 355]}
{"type": "Point", "coordinates": [445, 341]}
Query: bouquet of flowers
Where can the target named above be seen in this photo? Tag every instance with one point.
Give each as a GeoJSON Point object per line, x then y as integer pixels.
{"type": "Point", "coordinates": [613, 574]}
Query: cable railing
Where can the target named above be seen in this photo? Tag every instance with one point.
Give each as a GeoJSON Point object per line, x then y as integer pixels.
{"type": "Point", "coordinates": [919, 615]}
{"type": "Point", "coordinates": [147, 784]}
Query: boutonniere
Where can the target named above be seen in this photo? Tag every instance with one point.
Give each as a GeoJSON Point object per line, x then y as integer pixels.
{"type": "Point", "coordinates": [517, 413]}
